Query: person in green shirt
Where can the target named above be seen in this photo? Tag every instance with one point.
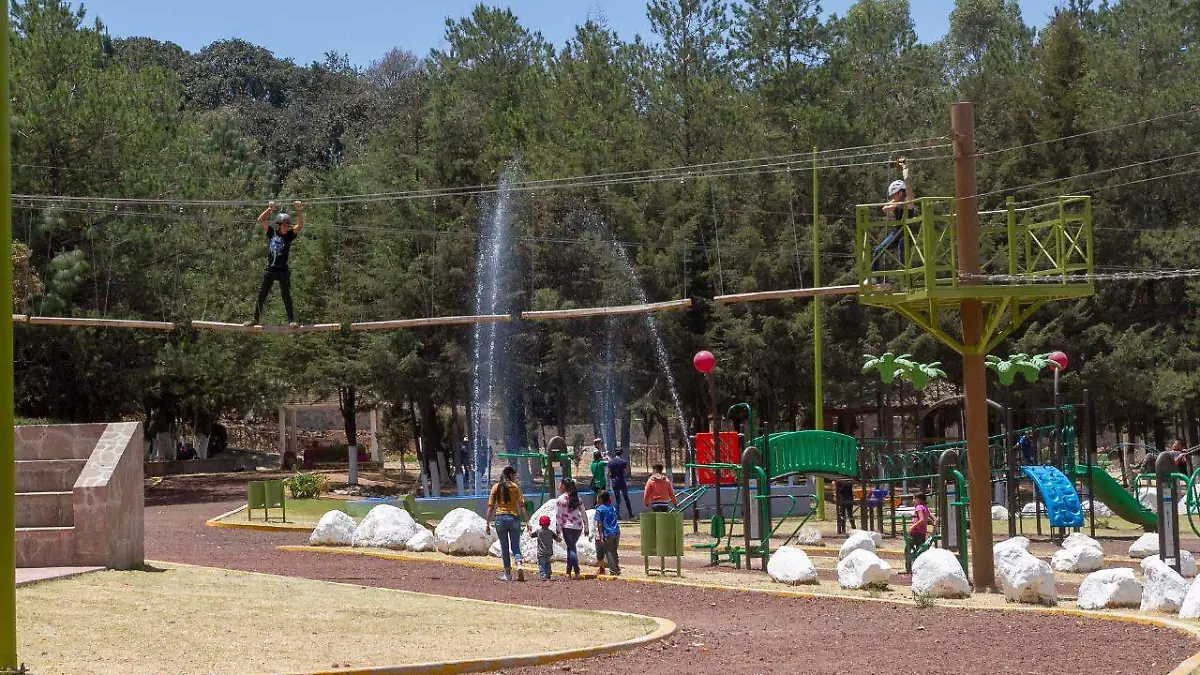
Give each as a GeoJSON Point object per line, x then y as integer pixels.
{"type": "Point", "coordinates": [599, 472]}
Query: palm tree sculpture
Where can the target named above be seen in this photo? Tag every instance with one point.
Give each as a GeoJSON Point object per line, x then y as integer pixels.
{"type": "Point", "coordinates": [889, 366]}
{"type": "Point", "coordinates": [1030, 367]}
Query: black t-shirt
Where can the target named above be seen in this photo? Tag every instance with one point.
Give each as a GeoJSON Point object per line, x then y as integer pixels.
{"type": "Point", "coordinates": [278, 246]}
{"type": "Point", "coordinates": [616, 469]}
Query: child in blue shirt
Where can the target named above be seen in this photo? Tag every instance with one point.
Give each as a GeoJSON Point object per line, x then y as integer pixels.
{"type": "Point", "coordinates": [608, 535]}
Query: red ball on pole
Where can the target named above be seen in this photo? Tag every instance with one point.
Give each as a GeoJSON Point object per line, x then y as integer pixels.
{"type": "Point", "coordinates": [704, 361]}
{"type": "Point", "coordinates": [1059, 359]}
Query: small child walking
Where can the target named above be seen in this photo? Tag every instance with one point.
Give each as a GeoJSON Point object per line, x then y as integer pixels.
{"type": "Point", "coordinates": [545, 541]}
{"type": "Point", "coordinates": [919, 530]}
{"type": "Point", "coordinates": [608, 535]}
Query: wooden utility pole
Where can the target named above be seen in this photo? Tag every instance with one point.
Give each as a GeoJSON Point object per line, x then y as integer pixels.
{"type": "Point", "coordinates": [962, 127]}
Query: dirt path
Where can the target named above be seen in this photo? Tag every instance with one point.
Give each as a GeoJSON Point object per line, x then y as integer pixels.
{"type": "Point", "coordinates": [719, 632]}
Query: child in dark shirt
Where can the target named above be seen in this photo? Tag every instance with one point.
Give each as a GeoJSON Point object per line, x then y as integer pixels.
{"type": "Point", "coordinates": [545, 542]}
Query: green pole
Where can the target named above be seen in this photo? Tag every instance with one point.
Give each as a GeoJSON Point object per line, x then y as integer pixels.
{"type": "Point", "coordinates": [818, 394]}
{"type": "Point", "coordinates": [8, 481]}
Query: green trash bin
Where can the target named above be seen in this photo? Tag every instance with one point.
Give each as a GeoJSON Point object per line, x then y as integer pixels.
{"type": "Point", "coordinates": [649, 544]}
{"type": "Point", "coordinates": [668, 540]}
{"type": "Point", "coordinates": [256, 498]}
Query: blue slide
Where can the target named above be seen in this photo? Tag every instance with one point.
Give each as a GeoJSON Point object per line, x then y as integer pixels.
{"type": "Point", "coordinates": [1058, 494]}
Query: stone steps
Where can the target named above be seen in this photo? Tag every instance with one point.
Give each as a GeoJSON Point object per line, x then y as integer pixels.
{"type": "Point", "coordinates": [45, 509]}
{"type": "Point", "coordinates": [48, 475]}
{"type": "Point", "coordinates": [45, 546]}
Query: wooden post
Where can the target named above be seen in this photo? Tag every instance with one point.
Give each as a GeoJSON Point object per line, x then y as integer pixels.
{"type": "Point", "coordinates": [962, 127]}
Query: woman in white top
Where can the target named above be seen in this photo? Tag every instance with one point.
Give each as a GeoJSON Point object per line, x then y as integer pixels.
{"type": "Point", "coordinates": [570, 521]}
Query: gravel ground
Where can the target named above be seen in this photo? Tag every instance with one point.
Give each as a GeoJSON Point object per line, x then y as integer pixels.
{"type": "Point", "coordinates": [730, 633]}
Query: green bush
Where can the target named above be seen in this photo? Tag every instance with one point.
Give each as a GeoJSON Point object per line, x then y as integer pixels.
{"type": "Point", "coordinates": [306, 485]}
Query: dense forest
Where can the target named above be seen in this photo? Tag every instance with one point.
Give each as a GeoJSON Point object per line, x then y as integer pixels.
{"type": "Point", "coordinates": [204, 139]}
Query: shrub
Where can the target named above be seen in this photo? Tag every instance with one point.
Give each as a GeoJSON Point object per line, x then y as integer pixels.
{"type": "Point", "coordinates": [306, 485]}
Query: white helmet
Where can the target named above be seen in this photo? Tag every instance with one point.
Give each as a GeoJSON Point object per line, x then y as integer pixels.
{"type": "Point", "coordinates": [896, 186]}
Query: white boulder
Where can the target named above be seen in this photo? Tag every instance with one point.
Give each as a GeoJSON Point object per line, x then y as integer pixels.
{"type": "Point", "coordinates": [422, 541]}
{"type": "Point", "coordinates": [875, 536]}
{"type": "Point", "coordinates": [1077, 539]}
{"type": "Point", "coordinates": [1102, 510]}
{"type": "Point", "coordinates": [1187, 564]}
{"type": "Point", "coordinates": [937, 574]}
{"type": "Point", "coordinates": [1163, 590]}
{"type": "Point", "coordinates": [790, 565]}
{"type": "Point", "coordinates": [1108, 589]}
{"type": "Point", "coordinates": [999, 512]}
{"type": "Point", "coordinates": [385, 527]}
{"type": "Point", "coordinates": [809, 536]}
{"type": "Point", "coordinates": [463, 532]}
{"type": "Point", "coordinates": [1023, 577]}
{"type": "Point", "coordinates": [857, 540]}
{"type": "Point", "coordinates": [1190, 609]}
{"type": "Point", "coordinates": [1145, 546]}
{"type": "Point", "coordinates": [1021, 543]}
{"type": "Point", "coordinates": [336, 528]}
{"type": "Point", "coordinates": [1077, 559]}
{"type": "Point", "coordinates": [863, 569]}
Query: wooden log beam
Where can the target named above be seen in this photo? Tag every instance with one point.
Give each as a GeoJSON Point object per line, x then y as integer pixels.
{"type": "Point", "coordinates": [785, 294]}
{"type": "Point", "coordinates": [92, 323]}
{"type": "Point", "coordinates": [431, 321]}
{"type": "Point", "coordinates": [619, 310]}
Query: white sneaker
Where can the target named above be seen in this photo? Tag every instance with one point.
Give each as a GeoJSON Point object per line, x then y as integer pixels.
{"type": "Point", "coordinates": [505, 576]}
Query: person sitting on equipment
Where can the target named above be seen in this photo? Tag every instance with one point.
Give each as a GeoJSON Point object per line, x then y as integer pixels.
{"type": "Point", "coordinates": [1025, 447]}
{"type": "Point", "coordinates": [280, 235]}
{"type": "Point", "coordinates": [659, 494]}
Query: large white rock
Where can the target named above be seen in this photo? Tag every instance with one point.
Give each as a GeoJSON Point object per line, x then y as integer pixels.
{"type": "Point", "coordinates": [1021, 543]}
{"type": "Point", "coordinates": [1102, 510]}
{"type": "Point", "coordinates": [857, 541]}
{"type": "Point", "coordinates": [422, 541]}
{"type": "Point", "coordinates": [863, 569]}
{"type": "Point", "coordinates": [462, 532]}
{"type": "Point", "coordinates": [1077, 539]}
{"type": "Point", "coordinates": [1145, 546]}
{"type": "Point", "coordinates": [1187, 564]}
{"type": "Point", "coordinates": [1107, 589]}
{"type": "Point", "coordinates": [809, 536]}
{"type": "Point", "coordinates": [999, 512]}
{"type": "Point", "coordinates": [1023, 577]}
{"type": "Point", "coordinates": [937, 574]}
{"type": "Point", "coordinates": [1190, 609]}
{"type": "Point", "coordinates": [1078, 559]}
{"type": "Point", "coordinates": [875, 536]}
{"type": "Point", "coordinates": [336, 528]}
{"type": "Point", "coordinates": [385, 527]}
{"type": "Point", "coordinates": [1149, 499]}
{"type": "Point", "coordinates": [790, 565]}
{"type": "Point", "coordinates": [1163, 590]}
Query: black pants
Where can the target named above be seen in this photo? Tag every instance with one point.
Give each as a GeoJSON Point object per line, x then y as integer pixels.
{"type": "Point", "coordinates": [272, 274]}
{"type": "Point", "coordinates": [661, 507]}
{"type": "Point", "coordinates": [619, 489]}
{"type": "Point", "coordinates": [915, 542]}
{"type": "Point", "coordinates": [845, 513]}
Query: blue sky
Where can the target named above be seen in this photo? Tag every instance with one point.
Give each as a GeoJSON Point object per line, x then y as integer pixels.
{"type": "Point", "coordinates": [365, 29]}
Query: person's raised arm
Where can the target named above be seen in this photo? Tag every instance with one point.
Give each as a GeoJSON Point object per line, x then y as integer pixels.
{"type": "Point", "coordinates": [298, 207]}
{"type": "Point", "coordinates": [265, 217]}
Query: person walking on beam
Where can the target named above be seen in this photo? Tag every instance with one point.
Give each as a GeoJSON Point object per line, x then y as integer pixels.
{"type": "Point", "coordinates": [280, 235]}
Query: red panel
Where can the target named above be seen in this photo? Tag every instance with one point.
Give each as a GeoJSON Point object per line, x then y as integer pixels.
{"type": "Point", "coordinates": [731, 453]}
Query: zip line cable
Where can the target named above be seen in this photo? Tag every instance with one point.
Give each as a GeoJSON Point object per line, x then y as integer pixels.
{"type": "Point", "coordinates": [1189, 111]}
{"type": "Point", "coordinates": [1084, 175]}
{"type": "Point", "coordinates": [715, 169]}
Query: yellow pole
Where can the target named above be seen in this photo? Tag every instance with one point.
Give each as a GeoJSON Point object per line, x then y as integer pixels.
{"type": "Point", "coordinates": [818, 394]}
{"type": "Point", "coordinates": [8, 480]}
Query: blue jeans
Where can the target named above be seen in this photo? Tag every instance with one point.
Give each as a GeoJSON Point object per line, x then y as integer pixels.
{"type": "Point", "coordinates": [543, 567]}
{"type": "Point", "coordinates": [571, 539]}
{"type": "Point", "coordinates": [508, 529]}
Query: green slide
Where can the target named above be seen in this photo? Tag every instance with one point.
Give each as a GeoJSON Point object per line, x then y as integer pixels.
{"type": "Point", "coordinates": [1109, 491]}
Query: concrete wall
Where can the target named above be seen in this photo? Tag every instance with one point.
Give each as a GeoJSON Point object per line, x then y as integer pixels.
{"type": "Point", "coordinates": [101, 467]}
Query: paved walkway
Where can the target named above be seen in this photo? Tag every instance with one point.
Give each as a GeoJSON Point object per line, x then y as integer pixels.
{"type": "Point", "coordinates": [32, 575]}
